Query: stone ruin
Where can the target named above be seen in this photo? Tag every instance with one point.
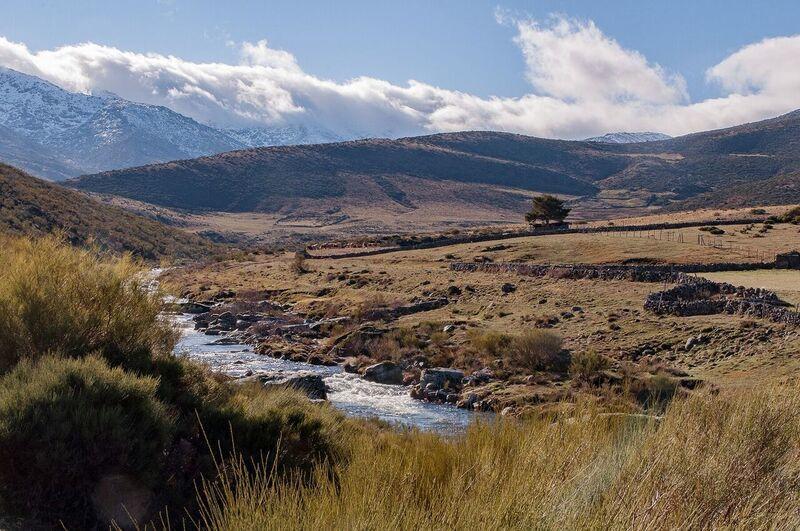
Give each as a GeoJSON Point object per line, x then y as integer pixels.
{"type": "Point", "coordinates": [698, 296]}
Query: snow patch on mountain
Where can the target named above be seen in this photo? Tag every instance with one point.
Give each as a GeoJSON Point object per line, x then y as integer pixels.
{"type": "Point", "coordinates": [283, 136]}
{"type": "Point", "coordinates": [628, 138]}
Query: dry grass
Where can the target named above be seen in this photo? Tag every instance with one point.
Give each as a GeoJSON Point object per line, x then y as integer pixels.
{"type": "Point", "coordinates": [726, 461]}
{"type": "Point", "coordinates": [612, 322]}
{"type": "Point", "coordinates": [54, 298]}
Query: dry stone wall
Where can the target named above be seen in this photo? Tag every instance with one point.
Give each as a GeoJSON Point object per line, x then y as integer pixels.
{"type": "Point", "coordinates": [691, 296]}
{"type": "Point", "coordinates": [636, 273]}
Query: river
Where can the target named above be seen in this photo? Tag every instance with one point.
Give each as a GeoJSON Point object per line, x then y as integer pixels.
{"type": "Point", "coordinates": [348, 392]}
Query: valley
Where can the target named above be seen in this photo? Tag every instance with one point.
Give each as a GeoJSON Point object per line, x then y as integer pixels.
{"type": "Point", "coordinates": [399, 265]}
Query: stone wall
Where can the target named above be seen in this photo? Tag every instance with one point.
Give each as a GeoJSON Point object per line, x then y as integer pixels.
{"type": "Point", "coordinates": [672, 274]}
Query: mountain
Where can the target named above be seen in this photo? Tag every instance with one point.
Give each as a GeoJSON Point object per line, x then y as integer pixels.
{"type": "Point", "coordinates": [628, 138]}
{"type": "Point", "coordinates": [60, 133]}
{"type": "Point", "coordinates": [273, 178]}
{"type": "Point", "coordinates": [379, 171]}
{"type": "Point", "coordinates": [33, 207]}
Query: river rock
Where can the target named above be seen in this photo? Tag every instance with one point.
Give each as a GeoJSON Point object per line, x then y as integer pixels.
{"type": "Point", "coordinates": [194, 307]}
{"type": "Point", "coordinates": [441, 377]}
{"type": "Point", "coordinates": [385, 372]}
{"type": "Point", "coordinates": [309, 383]}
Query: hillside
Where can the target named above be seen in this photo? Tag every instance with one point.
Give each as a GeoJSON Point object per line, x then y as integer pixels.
{"type": "Point", "coordinates": [285, 179]}
{"type": "Point", "coordinates": [276, 178]}
{"type": "Point", "coordinates": [30, 206]}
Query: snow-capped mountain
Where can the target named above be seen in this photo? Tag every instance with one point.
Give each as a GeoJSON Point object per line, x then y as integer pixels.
{"type": "Point", "coordinates": [90, 133]}
{"type": "Point", "coordinates": [628, 138]}
{"type": "Point", "coordinates": [56, 134]}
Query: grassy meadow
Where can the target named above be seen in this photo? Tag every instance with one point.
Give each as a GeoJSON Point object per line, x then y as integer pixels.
{"type": "Point", "coordinates": [101, 425]}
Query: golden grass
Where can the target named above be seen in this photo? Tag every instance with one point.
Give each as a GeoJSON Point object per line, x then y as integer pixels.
{"type": "Point", "coordinates": [726, 461]}
{"type": "Point", "coordinates": [55, 298]}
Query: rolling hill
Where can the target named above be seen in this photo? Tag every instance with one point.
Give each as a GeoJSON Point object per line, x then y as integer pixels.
{"type": "Point", "coordinates": [676, 171]}
{"type": "Point", "coordinates": [33, 207]}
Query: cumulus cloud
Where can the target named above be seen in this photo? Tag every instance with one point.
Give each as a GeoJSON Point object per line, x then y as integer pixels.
{"type": "Point", "coordinates": [582, 83]}
{"type": "Point", "coordinates": [577, 62]}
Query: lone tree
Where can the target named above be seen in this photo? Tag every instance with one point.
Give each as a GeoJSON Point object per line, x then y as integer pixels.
{"type": "Point", "coordinates": [547, 207]}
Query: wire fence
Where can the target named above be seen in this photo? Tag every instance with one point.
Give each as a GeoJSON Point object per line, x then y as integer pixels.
{"type": "Point", "coordinates": [702, 240]}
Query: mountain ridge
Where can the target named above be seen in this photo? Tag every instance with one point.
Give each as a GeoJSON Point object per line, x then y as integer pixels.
{"type": "Point", "coordinates": [68, 134]}
{"type": "Point", "coordinates": [273, 179]}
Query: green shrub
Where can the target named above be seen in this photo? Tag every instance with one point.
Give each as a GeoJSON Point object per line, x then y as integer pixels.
{"type": "Point", "coordinates": [538, 350]}
{"type": "Point", "coordinates": [279, 424]}
{"type": "Point", "coordinates": [489, 343]}
{"type": "Point", "coordinates": [64, 424]}
{"type": "Point", "coordinates": [54, 298]}
{"type": "Point", "coordinates": [713, 230]}
{"type": "Point", "coordinates": [584, 365]}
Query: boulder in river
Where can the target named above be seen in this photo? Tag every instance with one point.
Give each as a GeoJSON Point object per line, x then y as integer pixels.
{"type": "Point", "coordinates": [309, 383]}
{"type": "Point", "coordinates": [385, 372]}
{"type": "Point", "coordinates": [441, 377]}
{"type": "Point", "coordinates": [194, 307]}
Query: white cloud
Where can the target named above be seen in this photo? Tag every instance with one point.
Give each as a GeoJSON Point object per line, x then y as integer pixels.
{"type": "Point", "coordinates": [583, 83]}
{"type": "Point", "coordinates": [576, 62]}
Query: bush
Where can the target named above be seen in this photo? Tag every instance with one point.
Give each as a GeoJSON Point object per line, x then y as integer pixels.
{"type": "Point", "coordinates": [538, 350]}
{"type": "Point", "coordinates": [713, 230]}
{"type": "Point", "coordinates": [584, 365]}
{"type": "Point", "coordinates": [791, 216]}
{"type": "Point", "coordinates": [64, 424]}
{"type": "Point", "coordinates": [54, 298]}
{"type": "Point", "coordinates": [299, 263]}
{"type": "Point", "coordinates": [68, 417]}
{"type": "Point", "coordinates": [489, 343]}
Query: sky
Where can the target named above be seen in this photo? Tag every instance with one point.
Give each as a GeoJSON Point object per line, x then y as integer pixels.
{"type": "Point", "coordinates": [562, 69]}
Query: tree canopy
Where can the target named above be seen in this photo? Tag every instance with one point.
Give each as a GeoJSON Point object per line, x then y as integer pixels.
{"type": "Point", "coordinates": [547, 208]}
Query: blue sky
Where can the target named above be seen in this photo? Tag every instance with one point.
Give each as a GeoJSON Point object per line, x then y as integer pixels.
{"type": "Point", "coordinates": [452, 45]}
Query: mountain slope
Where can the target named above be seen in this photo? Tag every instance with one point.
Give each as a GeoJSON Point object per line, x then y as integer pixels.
{"type": "Point", "coordinates": [277, 179]}
{"type": "Point", "coordinates": [32, 157]}
{"type": "Point", "coordinates": [80, 133]}
{"type": "Point", "coordinates": [33, 207]}
{"type": "Point", "coordinates": [269, 179]}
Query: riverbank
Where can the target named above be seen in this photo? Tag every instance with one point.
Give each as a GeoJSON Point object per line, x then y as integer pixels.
{"type": "Point", "coordinates": [347, 392]}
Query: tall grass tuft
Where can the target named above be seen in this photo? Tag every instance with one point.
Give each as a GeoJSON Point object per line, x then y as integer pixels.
{"type": "Point", "coordinates": [54, 298]}
{"type": "Point", "coordinates": [711, 462]}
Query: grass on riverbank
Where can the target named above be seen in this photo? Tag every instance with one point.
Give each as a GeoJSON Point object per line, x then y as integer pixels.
{"type": "Point", "coordinates": [91, 396]}
{"type": "Point", "coordinates": [712, 461]}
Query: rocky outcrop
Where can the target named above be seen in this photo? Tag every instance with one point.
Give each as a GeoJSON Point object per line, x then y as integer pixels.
{"type": "Point", "coordinates": [385, 372]}
{"type": "Point", "coordinates": [387, 314]}
{"type": "Point", "coordinates": [439, 385]}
